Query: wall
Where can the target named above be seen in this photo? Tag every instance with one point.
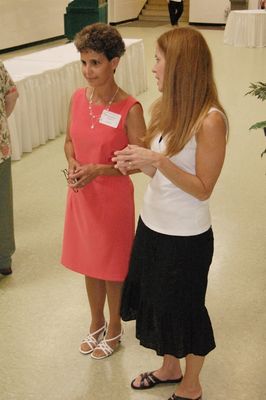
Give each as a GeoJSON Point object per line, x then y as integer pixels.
{"type": "Point", "coordinates": [212, 11]}
{"type": "Point", "coordinates": [26, 21]}
{"type": "Point", "coordinates": [253, 4]}
{"type": "Point", "coordinates": [123, 10]}
{"type": "Point", "coordinates": [208, 11]}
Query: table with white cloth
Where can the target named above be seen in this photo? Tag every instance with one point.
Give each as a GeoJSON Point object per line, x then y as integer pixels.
{"type": "Point", "coordinates": [46, 80]}
{"type": "Point", "coordinates": [246, 28]}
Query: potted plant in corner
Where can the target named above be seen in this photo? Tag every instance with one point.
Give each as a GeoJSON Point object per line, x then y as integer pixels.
{"type": "Point", "coordinates": [258, 90]}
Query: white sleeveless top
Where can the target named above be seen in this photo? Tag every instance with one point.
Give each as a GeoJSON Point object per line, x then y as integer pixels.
{"type": "Point", "coordinates": [168, 209]}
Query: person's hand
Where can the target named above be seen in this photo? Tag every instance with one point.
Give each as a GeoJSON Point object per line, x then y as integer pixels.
{"type": "Point", "coordinates": [123, 170]}
{"type": "Point", "coordinates": [82, 175]}
{"type": "Point", "coordinates": [73, 165]}
{"type": "Point", "coordinates": [135, 157]}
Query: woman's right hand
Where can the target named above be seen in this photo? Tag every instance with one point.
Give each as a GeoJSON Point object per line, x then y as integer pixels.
{"type": "Point", "coordinates": [84, 174]}
{"type": "Point", "coordinates": [73, 165]}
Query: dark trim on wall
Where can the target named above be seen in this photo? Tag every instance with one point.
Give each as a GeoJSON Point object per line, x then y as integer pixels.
{"type": "Point", "coordinates": [206, 24]}
{"type": "Point", "coordinates": [124, 22]}
{"type": "Point", "coordinates": [23, 46]}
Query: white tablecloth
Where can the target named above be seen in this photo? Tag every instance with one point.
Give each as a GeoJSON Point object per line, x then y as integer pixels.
{"type": "Point", "coordinates": [46, 81]}
{"type": "Point", "coordinates": [246, 28]}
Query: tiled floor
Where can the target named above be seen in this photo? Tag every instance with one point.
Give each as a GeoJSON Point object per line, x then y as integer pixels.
{"type": "Point", "coordinates": [44, 311]}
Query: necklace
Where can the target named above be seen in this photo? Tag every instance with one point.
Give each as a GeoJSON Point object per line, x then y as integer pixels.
{"type": "Point", "coordinates": [93, 117]}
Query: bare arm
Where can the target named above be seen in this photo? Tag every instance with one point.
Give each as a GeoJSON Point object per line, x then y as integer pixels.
{"type": "Point", "coordinates": [135, 125]}
{"type": "Point", "coordinates": [211, 142]}
{"type": "Point", "coordinates": [10, 101]}
{"type": "Point", "coordinates": [136, 129]}
{"type": "Point", "coordinates": [68, 147]}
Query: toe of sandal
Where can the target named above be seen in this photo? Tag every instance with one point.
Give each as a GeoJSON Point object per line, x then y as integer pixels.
{"type": "Point", "coordinates": [105, 348]}
{"type": "Point", "coordinates": [149, 380]}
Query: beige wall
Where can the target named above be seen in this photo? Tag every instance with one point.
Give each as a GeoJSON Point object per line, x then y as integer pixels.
{"type": "Point", "coordinates": [26, 21]}
{"type": "Point", "coordinates": [122, 10]}
{"type": "Point", "coordinates": [208, 11]}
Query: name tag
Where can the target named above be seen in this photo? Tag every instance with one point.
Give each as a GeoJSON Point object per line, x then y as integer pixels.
{"type": "Point", "coordinates": [110, 118]}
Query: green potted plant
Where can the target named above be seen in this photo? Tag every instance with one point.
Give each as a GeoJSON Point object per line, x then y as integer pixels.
{"type": "Point", "coordinates": [258, 90]}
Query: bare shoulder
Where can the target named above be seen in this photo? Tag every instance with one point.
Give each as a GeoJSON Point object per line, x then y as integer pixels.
{"type": "Point", "coordinates": [136, 109]}
{"type": "Point", "coordinates": [135, 124]}
{"type": "Point", "coordinates": [214, 120]}
{"type": "Point", "coordinates": [213, 127]}
{"type": "Point", "coordinates": [135, 117]}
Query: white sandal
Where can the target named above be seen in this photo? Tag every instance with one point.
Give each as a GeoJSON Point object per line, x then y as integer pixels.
{"type": "Point", "coordinates": [105, 348]}
{"type": "Point", "coordinates": [91, 341]}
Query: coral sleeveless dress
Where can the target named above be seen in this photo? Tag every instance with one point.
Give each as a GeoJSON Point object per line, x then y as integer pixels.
{"type": "Point", "coordinates": [99, 221]}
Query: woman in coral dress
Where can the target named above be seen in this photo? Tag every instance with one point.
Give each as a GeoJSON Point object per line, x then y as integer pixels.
{"type": "Point", "coordinates": [99, 222]}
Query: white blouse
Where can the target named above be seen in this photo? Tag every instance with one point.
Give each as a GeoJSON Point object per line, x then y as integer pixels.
{"type": "Point", "coordinates": [168, 209]}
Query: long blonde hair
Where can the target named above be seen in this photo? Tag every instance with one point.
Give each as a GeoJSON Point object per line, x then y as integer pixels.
{"type": "Point", "coordinates": [189, 90]}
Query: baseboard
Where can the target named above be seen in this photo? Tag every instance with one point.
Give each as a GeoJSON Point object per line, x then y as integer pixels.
{"type": "Point", "coordinates": [124, 22]}
{"type": "Point", "coordinates": [207, 23]}
{"type": "Point", "coordinates": [38, 42]}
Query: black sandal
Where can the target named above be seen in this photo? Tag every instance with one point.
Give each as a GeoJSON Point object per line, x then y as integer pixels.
{"type": "Point", "coordinates": [175, 397]}
{"type": "Point", "coordinates": [149, 380]}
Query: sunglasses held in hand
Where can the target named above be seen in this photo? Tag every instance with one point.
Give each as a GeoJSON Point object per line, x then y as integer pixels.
{"type": "Point", "coordinates": [65, 172]}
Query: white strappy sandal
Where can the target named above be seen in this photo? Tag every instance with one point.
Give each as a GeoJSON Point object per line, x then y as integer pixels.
{"type": "Point", "coordinates": [105, 348]}
{"type": "Point", "coordinates": [91, 341]}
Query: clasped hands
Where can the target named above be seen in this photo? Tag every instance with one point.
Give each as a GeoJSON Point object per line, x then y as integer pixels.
{"type": "Point", "coordinates": [130, 158]}
{"type": "Point", "coordinates": [80, 175]}
{"type": "Point", "coordinates": [134, 157]}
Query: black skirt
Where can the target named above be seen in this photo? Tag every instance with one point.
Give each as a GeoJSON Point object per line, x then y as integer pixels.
{"type": "Point", "coordinates": [165, 292]}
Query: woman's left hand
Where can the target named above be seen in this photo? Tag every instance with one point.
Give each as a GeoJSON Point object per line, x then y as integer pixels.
{"type": "Point", "coordinates": [83, 175]}
{"type": "Point", "coordinates": [135, 157]}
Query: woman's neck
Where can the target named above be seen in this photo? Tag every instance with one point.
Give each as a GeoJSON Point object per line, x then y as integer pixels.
{"type": "Point", "coordinates": [104, 94]}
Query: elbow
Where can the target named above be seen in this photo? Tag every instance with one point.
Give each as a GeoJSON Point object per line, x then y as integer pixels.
{"type": "Point", "coordinates": [204, 191]}
{"type": "Point", "coordinates": [204, 195]}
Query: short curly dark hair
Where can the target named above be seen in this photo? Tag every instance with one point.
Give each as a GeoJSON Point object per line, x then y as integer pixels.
{"type": "Point", "coordinates": [101, 38]}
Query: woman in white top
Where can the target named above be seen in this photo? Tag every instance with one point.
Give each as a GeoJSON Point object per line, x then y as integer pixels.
{"type": "Point", "coordinates": [175, 8]}
{"type": "Point", "coordinates": [167, 281]}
